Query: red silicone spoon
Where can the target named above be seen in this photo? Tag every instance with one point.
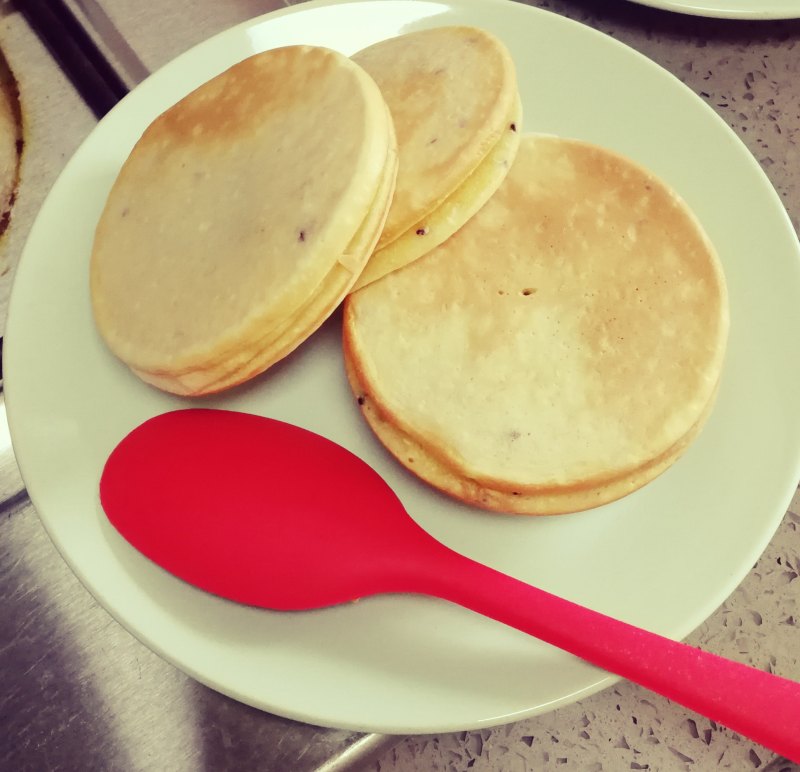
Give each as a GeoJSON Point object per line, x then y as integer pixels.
{"type": "Point", "coordinates": [268, 514]}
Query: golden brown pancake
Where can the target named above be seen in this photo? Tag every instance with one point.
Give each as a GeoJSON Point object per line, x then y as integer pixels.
{"type": "Point", "coordinates": [239, 220]}
{"type": "Point", "coordinates": [560, 350]}
{"type": "Point", "coordinates": [452, 92]}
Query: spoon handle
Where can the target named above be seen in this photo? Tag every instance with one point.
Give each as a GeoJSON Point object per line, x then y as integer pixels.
{"type": "Point", "coordinates": [756, 704]}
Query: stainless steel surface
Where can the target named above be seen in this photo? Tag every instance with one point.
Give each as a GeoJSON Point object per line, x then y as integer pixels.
{"type": "Point", "coordinates": [109, 40]}
{"type": "Point", "coordinates": [79, 693]}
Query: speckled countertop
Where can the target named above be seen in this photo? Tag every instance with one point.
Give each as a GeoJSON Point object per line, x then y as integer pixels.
{"type": "Point", "coordinates": [627, 727]}
{"type": "Point", "coordinates": [84, 695]}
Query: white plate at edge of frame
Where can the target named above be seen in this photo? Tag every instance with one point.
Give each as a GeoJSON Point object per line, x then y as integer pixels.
{"type": "Point", "coordinates": [730, 9]}
{"type": "Point", "coordinates": [663, 558]}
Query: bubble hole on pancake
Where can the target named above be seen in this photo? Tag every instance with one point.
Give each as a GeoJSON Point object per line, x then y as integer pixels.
{"type": "Point", "coordinates": [455, 104]}
{"type": "Point", "coordinates": [560, 350]}
{"type": "Point", "coordinates": [235, 209]}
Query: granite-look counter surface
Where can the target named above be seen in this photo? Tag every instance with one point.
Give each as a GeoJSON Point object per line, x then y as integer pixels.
{"type": "Point", "coordinates": [627, 727]}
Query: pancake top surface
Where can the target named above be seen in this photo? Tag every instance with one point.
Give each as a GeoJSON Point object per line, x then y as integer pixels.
{"type": "Point", "coordinates": [235, 204]}
{"type": "Point", "coordinates": [450, 91]}
{"type": "Point", "coordinates": [572, 331]}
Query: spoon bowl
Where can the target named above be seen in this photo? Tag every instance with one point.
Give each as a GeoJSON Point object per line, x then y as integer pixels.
{"type": "Point", "coordinates": [268, 514]}
{"type": "Point", "coordinates": [259, 511]}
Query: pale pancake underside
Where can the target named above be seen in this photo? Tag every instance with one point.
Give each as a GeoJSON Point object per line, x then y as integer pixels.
{"type": "Point", "coordinates": [453, 96]}
{"type": "Point", "coordinates": [238, 222]}
{"type": "Point", "coordinates": [560, 350]}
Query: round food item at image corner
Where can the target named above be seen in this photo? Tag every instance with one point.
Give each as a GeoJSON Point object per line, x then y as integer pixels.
{"type": "Point", "coordinates": [559, 351]}
{"type": "Point", "coordinates": [453, 95]}
{"type": "Point", "coordinates": [239, 221]}
{"type": "Point", "coordinates": [11, 142]}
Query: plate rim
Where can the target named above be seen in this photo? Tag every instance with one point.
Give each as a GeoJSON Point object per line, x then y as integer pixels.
{"type": "Point", "coordinates": [751, 12]}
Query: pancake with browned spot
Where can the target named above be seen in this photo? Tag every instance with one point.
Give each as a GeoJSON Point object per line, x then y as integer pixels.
{"type": "Point", "coordinates": [452, 92]}
{"type": "Point", "coordinates": [559, 351]}
{"type": "Point", "coordinates": [239, 220]}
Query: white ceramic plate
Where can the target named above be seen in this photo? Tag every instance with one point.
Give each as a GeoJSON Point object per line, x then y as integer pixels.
{"type": "Point", "coordinates": [663, 558]}
{"type": "Point", "coordinates": [730, 9]}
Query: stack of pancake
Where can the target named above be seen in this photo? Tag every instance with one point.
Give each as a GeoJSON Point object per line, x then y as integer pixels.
{"type": "Point", "coordinates": [531, 324]}
{"type": "Point", "coordinates": [248, 210]}
{"type": "Point", "coordinates": [559, 351]}
{"type": "Point", "coordinates": [238, 223]}
{"type": "Point", "coordinates": [453, 96]}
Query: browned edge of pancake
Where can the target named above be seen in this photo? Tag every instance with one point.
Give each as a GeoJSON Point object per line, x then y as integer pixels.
{"type": "Point", "coordinates": [443, 467]}
{"type": "Point", "coordinates": [433, 466]}
{"type": "Point", "coordinates": [452, 213]}
{"type": "Point", "coordinates": [382, 59]}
